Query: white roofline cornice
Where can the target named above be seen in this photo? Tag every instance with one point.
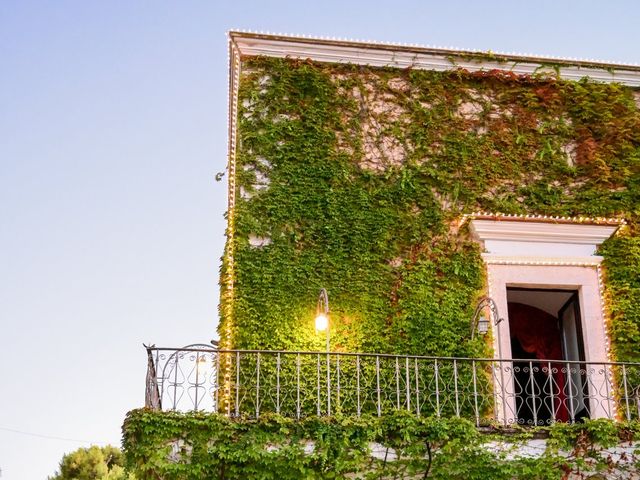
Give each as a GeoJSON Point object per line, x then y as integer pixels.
{"type": "Point", "coordinates": [427, 58]}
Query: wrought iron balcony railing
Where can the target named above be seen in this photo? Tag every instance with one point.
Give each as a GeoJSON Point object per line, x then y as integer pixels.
{"type": "Point", "coordinates": [299, 384]}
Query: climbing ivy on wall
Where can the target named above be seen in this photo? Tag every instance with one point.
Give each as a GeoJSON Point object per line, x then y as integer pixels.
{"type": "Point", "coordinates": [170, 445]}
{"type": "Point", "coordinates": [622, 255]}
{"type": "Point", "coordinates": [356, 178]}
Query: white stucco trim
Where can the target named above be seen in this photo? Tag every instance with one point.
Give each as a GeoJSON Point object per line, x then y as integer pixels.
{"type": "Point", "coordinates": [585, 279]}
{"type": "Point", "coordinates": [541, 231]}
{"type": "Point", "coordinates": [440, 59]}
{"type": "Point", "coordinates": [543, 239]}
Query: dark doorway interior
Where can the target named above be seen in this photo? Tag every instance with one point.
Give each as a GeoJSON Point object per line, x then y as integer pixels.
{"type": "Point", "coordinates": [546, 331]}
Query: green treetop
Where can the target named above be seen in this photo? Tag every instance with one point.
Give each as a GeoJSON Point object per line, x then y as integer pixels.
{"type": "Point", "coordinates": [93, 463]}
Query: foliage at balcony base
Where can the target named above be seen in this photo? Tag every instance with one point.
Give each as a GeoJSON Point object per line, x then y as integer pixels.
{"type": "Point", "coordinates": [168, 445]}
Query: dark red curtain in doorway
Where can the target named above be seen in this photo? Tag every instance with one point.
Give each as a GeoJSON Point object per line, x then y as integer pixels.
{"type": "Point", "coordinates": [539, 335]}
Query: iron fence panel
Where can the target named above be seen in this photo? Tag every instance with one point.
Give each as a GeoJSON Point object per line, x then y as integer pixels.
{"type": "Point", "coordinates": [301, 384]}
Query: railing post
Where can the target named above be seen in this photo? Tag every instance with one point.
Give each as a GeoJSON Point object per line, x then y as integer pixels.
{"type": "Point", "coordinates": [553, 400]}
{"type": "Point", "coordinates": [358, 384]}
{"type": "Point", "coordinates": [328, 384]}
{"type": "Point", "coordinates": [318, 387]}
{"type": "Point", "coordinates": [378, 384]}
{"type": "Point", "coordinates": [415, 364]}
{"type": "Point", "coordinates": [407, 382]}
{"type": "Point", "coordinates": [278, 384]}
{"type": "Point", "coordinates": [475, 392]}
{"type": "Point", "coordinates": [298, 386]}
{"type": "Point", "coordinates": [237, 406]}
{"type": "Point", "coordinates": [161, 379]}
{"type": "Point", "coordinates": [435, 371]}
{"type": "Point", "coordinates": [197, 381]}
{"type": "Point", "coordinates": [152, 398]}
{"type": "Point", "coordinates": [175, 381]}
{"type": "Point", "coordinates": [455, 386]}
{"type": "Point", "coordinates": [504, 387]}
{"type": "Point", "coordinates": [216, 384]}
{"type": "Point", "coordinates": [533, 393]}
{"type": "Point", "coordinates": [397, 384]}
{"type": "Point", "coordinates": [258, 385]}
{"type": "Point", "coordinates": [571, 407]}
{"type": "Point", "coordinates": [338, 382]}
{"type": "Point", "coordinates": [610, 399]}
{"type": "Point", "coordinates": [496, 397]}
{"type": "Point", "coordinates": [227, 384]}
{"type": "Point", "coordinates": [626, 391]}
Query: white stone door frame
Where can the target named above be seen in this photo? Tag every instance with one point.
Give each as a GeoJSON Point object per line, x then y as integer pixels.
{"type": "Point", "coordinates": [585, 279]}
{"type": "Point", "coordinates": [541, 254]}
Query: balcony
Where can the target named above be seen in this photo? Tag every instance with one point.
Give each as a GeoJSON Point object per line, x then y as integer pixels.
{"type": "Point", "coordinates": [301, 384]}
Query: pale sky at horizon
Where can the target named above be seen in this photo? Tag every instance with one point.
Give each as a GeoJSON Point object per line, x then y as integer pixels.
{"type": "Point", "coordinates": [113, 124]}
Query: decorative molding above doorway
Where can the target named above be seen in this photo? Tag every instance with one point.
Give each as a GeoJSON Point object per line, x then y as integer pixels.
{"type": "Point", "coordinates": [507, 236]}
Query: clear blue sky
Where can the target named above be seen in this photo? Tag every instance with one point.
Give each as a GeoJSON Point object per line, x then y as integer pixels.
{"type": "Point", "coordinates": [112, 127]}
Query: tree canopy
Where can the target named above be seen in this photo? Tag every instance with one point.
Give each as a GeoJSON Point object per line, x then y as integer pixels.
{"type": "Point", "coordinates": [93, 463]}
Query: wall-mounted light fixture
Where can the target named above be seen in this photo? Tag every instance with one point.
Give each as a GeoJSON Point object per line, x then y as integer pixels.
{"type": "Point", "coordinates": [480, 322]}
{"type": "Point", "coordinates": [322, 314]}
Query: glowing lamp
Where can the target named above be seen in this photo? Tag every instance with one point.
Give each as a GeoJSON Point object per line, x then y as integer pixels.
{"type": "Point", "coordinates": [322, 315]}
{"type": "Point", "coordinates": [322, 322]}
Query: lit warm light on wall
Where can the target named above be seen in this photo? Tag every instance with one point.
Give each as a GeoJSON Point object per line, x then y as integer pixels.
{"type": "Point", "coordinates": [322, 322]}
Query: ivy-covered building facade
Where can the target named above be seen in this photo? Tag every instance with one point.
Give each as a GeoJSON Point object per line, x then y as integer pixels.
{"type": "Point", "coordinates": [471, 220]}
{"type": "Point", "coordinates": [353, 168]}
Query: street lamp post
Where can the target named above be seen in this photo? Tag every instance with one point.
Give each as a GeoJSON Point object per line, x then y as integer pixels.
{"type": "Point", "coordinates": [322, 323]}
{"type": "Point", "coordinates": [322, 314]}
